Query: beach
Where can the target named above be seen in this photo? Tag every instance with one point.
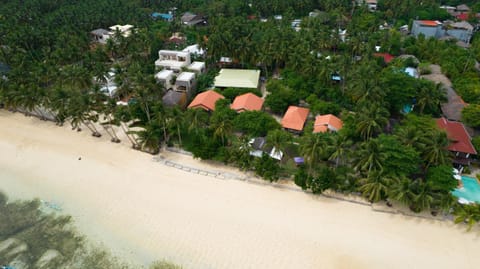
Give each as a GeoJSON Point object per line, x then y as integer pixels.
{"type": "Point", "coordinates": [144, 210]}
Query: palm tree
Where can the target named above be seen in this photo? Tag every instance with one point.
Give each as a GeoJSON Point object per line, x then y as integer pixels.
{"type": "Point", "coordinates": [469, 214]}
{"type": "Point", "coordinates": [313, 147]}
{"type": "Point", "coordinates": [369, 157]}
{"type": "Point", "coordinates": [423, 197]}
{"type": "Point", "coordinates": [196, 119]}
{"type": "Point", "coordinates": [371, 120]}
{"type": "Point", "coordinates": [222, 129]}
{"type": "Point", "coordinates": [435, 151]}
{"type": "Point", "coordinates": [176, 120]}
{"type": "Point", "coordinates": [375, 186]}
{"type": "Point", "coordinates": [278, 140]}
{"type": "Point", "coordinates": [401, 191]}
{"type": "Point", "coordinates": [340, 146]}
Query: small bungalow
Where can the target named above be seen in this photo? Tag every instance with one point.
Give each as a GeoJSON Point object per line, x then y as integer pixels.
{"type": "Point", "coordinates": [460, 145]}
{"type": "Point", "coordinates": [462, 31]}
{"type": "Point", "coordinates": [191, 19]}
{"type": "Point", "coordinates": [206, 100]}
{"type": "Point", "coordinates": [195, 50]}
{"type": "Point", "coordinates": [247, 102]}
{"type": "Point", "coordinates": [237, 78]}
{"type": "Point", "coordinates": [100, 35]}
{"type": "Point", "coordinates": [177, 39]}
{"type": "Point", "coordinates": [325, 123]}
{"type": "Point", "coordinates": [295, 118]}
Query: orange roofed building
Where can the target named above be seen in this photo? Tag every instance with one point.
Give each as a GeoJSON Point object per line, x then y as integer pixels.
{"type": "Point", "coordinates": [206, 100]}
{"type": "Point", "coordinates": [460, 141]}
{"type": "Point", "coordinates": [329, 122]}
{"type": "Point", "coordinates": [295, 118]}
{"type": "Point", "coordinates": [247, 102]}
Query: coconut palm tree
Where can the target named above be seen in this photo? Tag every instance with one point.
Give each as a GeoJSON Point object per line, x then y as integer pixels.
{"type": "Point", "coordinates": [313, 147]}
{"type": "Point", "coordinates": [423, 198]}
{"type": "Point", "coordinates": [369, 157]}
{"type": "Point", "coordinates": [469, 214]}
{"type": "Point", "coordinates": [278, 140]}
{"type": "Point", "coordinates": [401, 191]}
{"type": "Point", "coordinates": [375, 186]}
{"type": "Point", "coordinates": [340, 146]}
{"type": "Point", "coordinates": [435, 150]}
{"type": "Point", "coordinates": [371, 119]}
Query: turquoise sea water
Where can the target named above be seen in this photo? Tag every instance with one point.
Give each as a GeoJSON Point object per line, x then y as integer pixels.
{"type": "Point", "coordinates": [470, 190]}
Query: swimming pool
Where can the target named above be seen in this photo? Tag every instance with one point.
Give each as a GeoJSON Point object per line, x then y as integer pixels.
{"type": "Point", "coordinates": [470, 190]}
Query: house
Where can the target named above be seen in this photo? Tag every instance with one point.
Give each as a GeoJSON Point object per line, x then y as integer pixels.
{"type": "Point", "coordinates": [329, 122]}
{"type": "Point", "coordinates": [100, 35]}
{"type": "Point", "coordinates": [247, 102]}
{"type": "Point", "coordinates": [185, 82]}
{"type": "Point", "coordinates": [177, 39]}
{"type": "Point", "coordinates": [463, 31]}
{"type": "Point", "coordinates": [371, 4]}
{"type": "Point", "coordinates": [125, 30]}
{"type": "Point", "coordinates": [237, 78]}
{"type": "Point", "coordinates": [173, 60]}
{"type": "Point", "coordinates": [197, 67]}
{"type": "Point", "coordinates": [163, 16]}
{"type": "Point", "coordinates": [191, 19]}
{"type": "Point", "coordinates": [174, 98]}
{"type": "Point", "coordinates": [165, 78]}
{"type": "Point", "coordinates": [463, 8]}
{"type": "Point", "coordinates": [387, 58]}
{"type": "Point", "coordinates": [427, 28]}
{"type": "Point", "coordinates": [206, 100]}
{"type": "Point", "coordinates": [295, 118]}
{"type": "Point", "coordinates": [259, 148]}
{"type": "Point", "coordinates": [460, 145]}
{"type": "Point", "coordinates": [195, 50]}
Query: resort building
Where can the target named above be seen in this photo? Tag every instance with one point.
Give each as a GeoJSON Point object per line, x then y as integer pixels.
{"type": "Point", "coordinates": [247, 102]}
{"type": "Point", "coordinates": [165, 78]}
{"type": "Point", "coordinates": [325, 123]}
{"type": "Point", "coordinates": [461, 31]}
{"type": "Point", "coordinates": [206, 100]}
{"type": "Point", "coordinates": [172, 60]}
{"type": "Point", "coordinates": [195, 50]}
{"type": "Point", "coordinates": [295, 118]}
{"type": "Point", "coordinates": [237, 78]}
{"type": "Point", "coordinates": [460, 145]}
{"type": "Point", "coordinates": [197, 67]}
{"type": "Point", "coordinates": [427, 28]}
{"type": "Point", "coordinates": [185, 82]}
{"type": "Point", "coordinates": [101, 35]}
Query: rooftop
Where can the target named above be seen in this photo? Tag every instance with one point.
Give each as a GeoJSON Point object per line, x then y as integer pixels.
{"type": "Point", "coordinates": [327, 122]}
{"type": "Point", "coordinates": [185, 76]}
{"type": "Point", "coordinates": [386, 56]}
{"type": "Point", "coordinates": [460, 139]}
{"type": "Point", "coordinates": [295, 118]}
{"type": "Point", "coordinates": [429, 23]}
{"type": "Point", "coordinates": [237, 78]}
{"type": "Point", "coordinates": [248, 101]}
{"type": "Point", "coordinates": [164, 74]}
{"type": "Point", "coordinates": [206, 100]}
{"type": "Point", "coordinates": [197, 66]}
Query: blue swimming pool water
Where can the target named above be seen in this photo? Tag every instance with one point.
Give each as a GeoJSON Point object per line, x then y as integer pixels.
{"type": "Point", "coordinates": [470, 190]}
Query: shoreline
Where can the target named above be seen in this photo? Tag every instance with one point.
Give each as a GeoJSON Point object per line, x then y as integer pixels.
{"type": "Point", "coordinates": [144, 211]}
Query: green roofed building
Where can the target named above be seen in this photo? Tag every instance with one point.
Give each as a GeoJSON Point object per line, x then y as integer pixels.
{"type": "Point", "coordinates": [237, 78]}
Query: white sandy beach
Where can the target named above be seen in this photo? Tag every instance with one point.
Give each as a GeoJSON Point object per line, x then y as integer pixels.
{"type": "Point", "coordinates": [143, 210]}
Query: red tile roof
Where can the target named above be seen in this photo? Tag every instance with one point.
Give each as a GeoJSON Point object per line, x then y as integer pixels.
{"type": "Point", "coordinates": [295, 118]}
{"type": "Point", "coordinates": [429, 23]}
{"type": "Point", "coordinates": [386, 57]}
{"type": "Point", "coordinates": [460, 139]}
{"type": "Point", "coordinates": [206, 100]}
{"type": "Point", "coordinates": [248, 101]}
{"type": "Point", "coordinates": [327, 122]}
